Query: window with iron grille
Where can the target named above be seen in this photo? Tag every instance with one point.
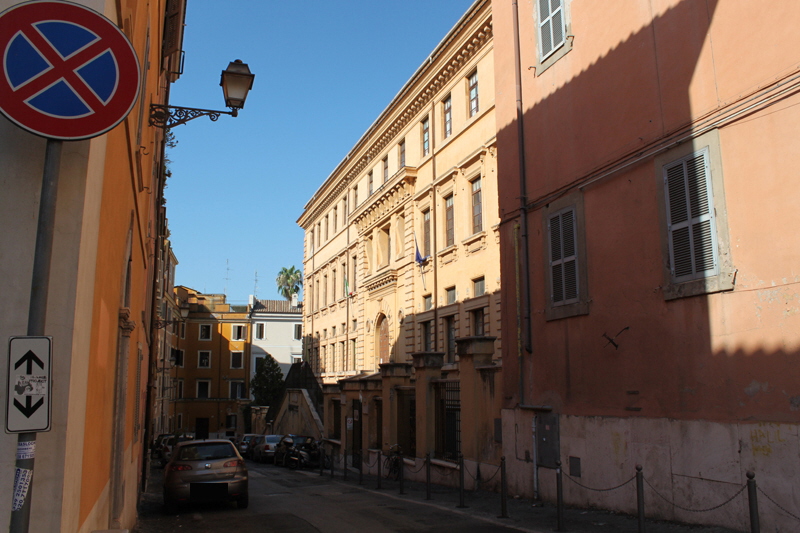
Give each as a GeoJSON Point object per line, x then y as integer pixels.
{"type": "Point", "coordinates": [448, 420]}
{"type": "Point", "coordinates": [448, 116]}
{"type": "Point", "coordinates": [473, 94]}
{"type": "Point", "coordinates": [477, 206]}
{"type": "Point", "coordinates": [449, 223]}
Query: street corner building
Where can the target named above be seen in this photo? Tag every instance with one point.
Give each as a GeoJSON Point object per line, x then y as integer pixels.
{"type": "Point", "coordinates": [648, 196]}
{"type": "Point", "coordinates": [109, 233]}
{"type": "Point", "coordinates": [402, 260]}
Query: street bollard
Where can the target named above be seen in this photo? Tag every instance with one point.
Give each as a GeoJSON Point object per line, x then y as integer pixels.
{"type": "Point", "coordinates": [461, 504]}
{"type": "Point", "coordinates": [752, 496]}
{"type": "Point", "coordinates": [361, 468]}
{"type": "Point", "coordinates": [321, 460]}
{"type": "Point", "coordinates": [428, 476]}
{"type": "Point", "coordinates": [333, 464]}
{"type": "Point", "coordinates": [560, 496]}
{"type": "Point", "coordinates": [379, 471]}
{"type": "Point", "coordinates": [344, 464]}
{"type": "Point", "coordinates": [503, 489]}
{"type": "Point", "coordinates": [640, 497]}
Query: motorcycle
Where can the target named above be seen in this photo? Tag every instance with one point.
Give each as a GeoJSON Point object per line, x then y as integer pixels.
{"type": "Point", "coordinates": [307, 455]}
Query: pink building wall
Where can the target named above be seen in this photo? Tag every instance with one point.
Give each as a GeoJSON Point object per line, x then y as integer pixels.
{"type": "Point", "coordinates": [698, 389]}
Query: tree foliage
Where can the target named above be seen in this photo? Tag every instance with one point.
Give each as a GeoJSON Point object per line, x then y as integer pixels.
{"type": "Point", "coordinates": [267, 384]}
{"type": "Point", "coordinates": [289, 281]}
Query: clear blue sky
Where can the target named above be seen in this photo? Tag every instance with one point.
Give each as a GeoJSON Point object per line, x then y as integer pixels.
{"type": "Point", "coordinates": [324, 72]}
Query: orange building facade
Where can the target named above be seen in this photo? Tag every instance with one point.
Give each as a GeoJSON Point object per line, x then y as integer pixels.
{"type": "Point", "coordinates": [647, 163]}
{"type": "Point", "coordinates": [90, 466]}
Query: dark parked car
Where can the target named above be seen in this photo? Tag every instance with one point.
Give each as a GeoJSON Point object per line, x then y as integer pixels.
{"type": "Point", "coordinates": [206, 471]}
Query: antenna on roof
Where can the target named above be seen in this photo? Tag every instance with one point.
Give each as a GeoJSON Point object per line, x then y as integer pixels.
{"type": "Point", "coordinates": [227, 277]}
{"type": "Point", "coordinates": [255, 286]}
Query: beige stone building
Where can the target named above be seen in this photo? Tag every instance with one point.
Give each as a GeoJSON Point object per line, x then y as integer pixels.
{"type": "Point", "coordinates": [402, 258]}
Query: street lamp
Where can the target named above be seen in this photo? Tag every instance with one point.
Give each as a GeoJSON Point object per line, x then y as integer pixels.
{"type": "Point", "coordinates": [236, 81]}
{"type": "Point", "coordinates": [161, 324]}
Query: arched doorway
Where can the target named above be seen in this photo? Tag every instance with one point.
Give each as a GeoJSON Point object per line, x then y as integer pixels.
{"type": "Point", "coordinates": [384, 355]}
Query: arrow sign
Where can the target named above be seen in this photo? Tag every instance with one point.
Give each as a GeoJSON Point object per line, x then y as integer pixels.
{"type": "Point", "coordinates": [29, 385]}
{"type": "Point", "coordinates": [29, 358]}
{"type": "Point", "coordinates": [28, 409]}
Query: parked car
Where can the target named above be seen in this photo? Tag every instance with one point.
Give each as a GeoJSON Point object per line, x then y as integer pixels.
{"type": "Point", "coordinates": [245, 443]}
{"type": "Point", "coordinates": [169, 442]}
{"type": "Point", "coordinates": [265, 450]}
{"type": "Point", "coordinates": [251, 446]}
{"type": "Point", "coordinates": [285, 446]}
{"type": "Point", "coordinates": [206, 471]}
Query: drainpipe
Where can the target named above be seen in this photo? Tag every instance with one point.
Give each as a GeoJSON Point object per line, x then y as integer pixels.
{"type": "Point", "coordinates": [525, 256]}
{"type": "Point", "coordinates": [434, 248]}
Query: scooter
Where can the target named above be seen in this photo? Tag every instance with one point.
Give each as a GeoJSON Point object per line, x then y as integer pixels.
{"type": "Point", "coordinates": [307, 456]}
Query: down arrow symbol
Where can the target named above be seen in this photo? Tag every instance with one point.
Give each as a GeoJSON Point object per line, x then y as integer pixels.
{"type": "Point", "coordinates": [28, 409]}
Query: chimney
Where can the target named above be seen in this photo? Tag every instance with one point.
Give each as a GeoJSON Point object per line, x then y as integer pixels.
{"type": "Point", "coordinates": [294, 300]}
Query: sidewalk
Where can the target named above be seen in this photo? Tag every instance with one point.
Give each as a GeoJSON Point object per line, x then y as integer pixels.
{"type": "Point", "coordinates": [522, 514]}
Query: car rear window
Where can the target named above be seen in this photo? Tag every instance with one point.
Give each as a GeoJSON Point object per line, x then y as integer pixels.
{"type": "Point", "coordinates": [273, 438]}
{"type": "Point", "coordinates": [206, 451]}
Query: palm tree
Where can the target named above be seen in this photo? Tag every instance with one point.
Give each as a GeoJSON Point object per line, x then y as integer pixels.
{"type": "Point", "coordinates": [289, 281]}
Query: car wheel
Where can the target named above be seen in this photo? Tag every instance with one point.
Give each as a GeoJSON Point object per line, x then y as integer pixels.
{"type": "Point", "coordinates": [243, 501]}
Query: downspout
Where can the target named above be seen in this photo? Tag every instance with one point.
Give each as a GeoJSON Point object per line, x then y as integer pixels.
{"type": "Point", "coordinates": [434, 248]}
{"type": "Point", "coordinates": [525, 263]}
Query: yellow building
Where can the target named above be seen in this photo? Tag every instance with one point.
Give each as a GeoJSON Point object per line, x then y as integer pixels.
{"type": "Point", "coordinates": [402, 257]}
{"type": "Point", "coordinates": [210, 369]}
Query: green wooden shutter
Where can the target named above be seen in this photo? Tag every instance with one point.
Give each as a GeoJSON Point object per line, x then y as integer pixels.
{"type": "Point", "coordinates": [563, 258]}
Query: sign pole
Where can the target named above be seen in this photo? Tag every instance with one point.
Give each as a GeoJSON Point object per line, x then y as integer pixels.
{"type": "Point", "coordinates": [37, 313]}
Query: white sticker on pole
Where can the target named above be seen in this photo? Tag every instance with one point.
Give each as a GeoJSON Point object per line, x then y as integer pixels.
{"type": "Point", "coordinates": [26, 450]}
{"type": "Point", "coordinates": [22, 481]}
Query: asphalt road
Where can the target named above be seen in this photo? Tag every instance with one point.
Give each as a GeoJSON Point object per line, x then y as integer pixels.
{"type": "Point", "coordinates": [304, 502]}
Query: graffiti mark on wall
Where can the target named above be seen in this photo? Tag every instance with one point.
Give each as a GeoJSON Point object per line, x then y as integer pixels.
{"type": "Point", "coordinates": [764, 436]}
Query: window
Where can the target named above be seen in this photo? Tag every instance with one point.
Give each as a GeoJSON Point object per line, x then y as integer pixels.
{"type": "Point", "coordinates": [401, 153]}
{"type": "Point", "coordinates": [298, 332]}
{"type": "Point", "coordinates": [427, 302]}
{"type": "Point", "coordinates": [479, 322]}
{"type": "Point", "coordinates": [369, 180]}
{"type": "Point", "coordinates": [335, 218]}
{"type": "Point", "coordinates": [180, 420]}
{"type": "Point", "coordinates": [238, 332]}
{"type": "Point", "coordinates": [450, 295]}
{"type": "Point", "coordinates": [345, 288]}
{"type": "Point", "coordinates": [450, 338]}
{"type": "Point", "coordinates": [552, 31]}
{"type": "Point", "coordinates": [324, 290]}
{"type": "Point", "coordinates": [237, 359]}
{"type": "Point", "coordinates": [355, 196]}
{"type": "Point", "coordinates": [179, 391]}
{"type": "Point", "coordinates": [236, 389]}
{"type": "Point", "coordinates": [386, 169]}
{"type": "Point", "coordinates": [333, 331]}
{"type": "Point", "coordinates": [695, 239]}
{"type": "Point", "coordinates": [426, 233]}
{"type": "Point", "coordinates": [203, 388]}
{"type": "Point", "coordinates": [426, 332]}
{"type": "Point", "coordinates": [566, 275]}
{"type": "Point", "coordinates": [204, 359]}
{"type": "Point", "coordinates": [205, 332]}
{"type": "Point", "coordinates": [260, 331]}
{"type": "Point", "coordinates": [449, 224]}
{"type": "Point", "coordinates": [385, 245]}
{"type": "Point", "coordinates": [479, 287]}
{"type": "Point", "coordinates": [333, 285]}
{"type": "Point", "coordinates": [179, 358]}
{"type": "Point", "coordinates": [473, 93]}
{"type": "Point", "coordinates": [326, 227]}
{"type": "Point", "coordinates": [447, 113]}
{"type": "Point", "coordinates": [183, 330]}
{"type": "Point", "coordinates": [426, 137]}
{"type": "Point", "coordinates": [316, 296]}
{"type": "Point", "coordinates": [477, 207]}
{"type": "Point", "coordinates": [355, 270]}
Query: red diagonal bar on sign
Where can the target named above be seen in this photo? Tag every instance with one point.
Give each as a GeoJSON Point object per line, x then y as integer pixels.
{"type": "Point", "coordinates": [62, 68]}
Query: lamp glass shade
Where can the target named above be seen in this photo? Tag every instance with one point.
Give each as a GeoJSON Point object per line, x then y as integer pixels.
{"type": "Point", "coordinates": [236, 82]}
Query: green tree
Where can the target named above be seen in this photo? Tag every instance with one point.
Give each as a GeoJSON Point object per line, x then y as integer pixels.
{"type": "Point", "coordinates": [289, 281]}
{"type": "Point", "coordinates": [267, 384]}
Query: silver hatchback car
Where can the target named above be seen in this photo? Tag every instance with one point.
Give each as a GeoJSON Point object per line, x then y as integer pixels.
{"type": "Point", "coordinates": [206, 471]}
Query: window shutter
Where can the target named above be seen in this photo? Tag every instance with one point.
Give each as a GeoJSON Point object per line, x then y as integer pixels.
{"type": "Point", "coordinates": [563, 258]}
{"type": "Point", "coordinates": [173, 27]}
{"type": "Point", "coordinates": [690, 213]}
{"type": "Point", "coordinates": [551, 26]}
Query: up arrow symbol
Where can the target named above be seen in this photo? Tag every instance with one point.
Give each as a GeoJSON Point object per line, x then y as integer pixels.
{"type": "Point", "coordinates": [29, 358]}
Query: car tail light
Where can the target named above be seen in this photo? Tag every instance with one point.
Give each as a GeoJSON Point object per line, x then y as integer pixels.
{"type": "Point", "coordinates": [235, 462]}
{"type": "Point", "coordinates": [175, 468]}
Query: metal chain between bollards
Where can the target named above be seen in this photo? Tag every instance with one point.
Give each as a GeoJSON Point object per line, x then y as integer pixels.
{"type": "Point", "coordinates": [779, 506]}
{"type": "Point", "coordinates": [600, 490]}
{"type": "Point", "coordinates": [729, 500]}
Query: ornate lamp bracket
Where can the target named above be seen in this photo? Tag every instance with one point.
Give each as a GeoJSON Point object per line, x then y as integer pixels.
{"type": "Point", "coordinates": [168, 116]}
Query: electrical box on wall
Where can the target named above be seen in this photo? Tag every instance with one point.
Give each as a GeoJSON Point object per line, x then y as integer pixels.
{"type": "Point", "coordinates": [547, 440]}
